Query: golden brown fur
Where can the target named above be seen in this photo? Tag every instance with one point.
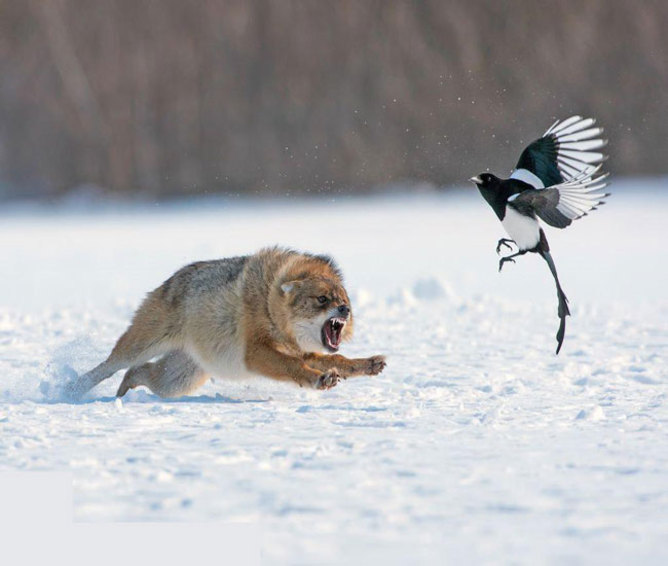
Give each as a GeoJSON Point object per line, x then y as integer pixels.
{"type": "Point", "coordinates": [278, 313]}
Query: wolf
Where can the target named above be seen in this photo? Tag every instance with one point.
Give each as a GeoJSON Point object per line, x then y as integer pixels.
{"type": "Point", "coordinates": [278, 313]}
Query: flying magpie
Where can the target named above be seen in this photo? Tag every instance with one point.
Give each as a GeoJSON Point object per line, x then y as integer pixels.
{"type": "Point", "coordinates": [556, 179]}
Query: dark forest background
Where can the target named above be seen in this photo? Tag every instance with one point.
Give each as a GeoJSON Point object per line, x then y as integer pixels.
{"type": "Point", "coordinates": [168, 97]}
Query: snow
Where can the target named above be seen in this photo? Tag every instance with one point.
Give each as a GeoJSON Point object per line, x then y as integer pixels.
{"type": "Point", "coordinates": [477, 443]}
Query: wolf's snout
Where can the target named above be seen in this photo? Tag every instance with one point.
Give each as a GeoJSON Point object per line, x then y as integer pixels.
{"type": "Point", "coordinates": [344, 310]}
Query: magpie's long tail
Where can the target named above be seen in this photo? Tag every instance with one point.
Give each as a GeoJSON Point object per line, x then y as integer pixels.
{"type": "Point", "coordinates": [563, 310]}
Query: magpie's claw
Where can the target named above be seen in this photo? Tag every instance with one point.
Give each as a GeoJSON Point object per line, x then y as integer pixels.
{"type": "Point", "coordinates": [504, 242]}
{"type": "Point", "coordinates": [504, 260]}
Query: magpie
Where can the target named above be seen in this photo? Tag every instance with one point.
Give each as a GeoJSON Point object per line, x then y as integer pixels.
{"type": "Point", "coordinates": [557, 179]}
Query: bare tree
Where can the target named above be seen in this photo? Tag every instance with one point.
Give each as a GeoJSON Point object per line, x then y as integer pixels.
{"type": "Point", "coordinates": [260, 96]}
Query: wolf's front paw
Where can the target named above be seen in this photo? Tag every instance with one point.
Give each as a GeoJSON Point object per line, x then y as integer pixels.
{"type": "Point", "coordinates": [328, 379]}
{"type": "Point", "coordinates": [376, 364]}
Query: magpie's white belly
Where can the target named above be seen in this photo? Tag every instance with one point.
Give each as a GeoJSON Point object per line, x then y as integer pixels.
{"type": "Point", "coordinates": [522, 229]}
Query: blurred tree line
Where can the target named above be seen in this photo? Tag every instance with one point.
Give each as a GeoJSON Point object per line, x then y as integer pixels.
{"type": "Point", "coordinates": [257, 96]}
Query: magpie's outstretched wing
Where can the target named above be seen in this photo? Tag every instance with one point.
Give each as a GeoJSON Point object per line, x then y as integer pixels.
{"type": "Point", "coordinates": [564, 153]}
{"type": "Point", "coordinates": [560, 204]}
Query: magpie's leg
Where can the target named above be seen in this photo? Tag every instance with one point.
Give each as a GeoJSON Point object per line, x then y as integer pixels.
{"type": "Point", "coordinates": [510, 258]}
{"type": "Point", "coordinates": [563, 310]}
{"type": "Point", "coordinates": [504, 242]}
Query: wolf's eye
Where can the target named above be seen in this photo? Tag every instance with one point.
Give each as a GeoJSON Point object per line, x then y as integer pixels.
{"type": "Point", "coordinates": [322, 299]}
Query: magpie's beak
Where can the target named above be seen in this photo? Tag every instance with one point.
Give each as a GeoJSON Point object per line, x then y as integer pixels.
{"type": "Point", "coordinates": [476, 180]}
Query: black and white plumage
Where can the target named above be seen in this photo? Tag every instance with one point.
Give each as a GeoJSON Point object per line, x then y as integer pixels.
{"type": "Point", "coordinates": [557, 180]}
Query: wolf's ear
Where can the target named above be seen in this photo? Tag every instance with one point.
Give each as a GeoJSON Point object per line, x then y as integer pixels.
{"type": "Point", "coordinates": [290, 286]}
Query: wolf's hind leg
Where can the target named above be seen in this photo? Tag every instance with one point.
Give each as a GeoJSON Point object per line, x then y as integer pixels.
{"type": "Point", "coordinates": [148, 336]}
{"type": "Point", "coordinates": [86, 382]}
{"type": "Point", "coordinates": [173, 375]}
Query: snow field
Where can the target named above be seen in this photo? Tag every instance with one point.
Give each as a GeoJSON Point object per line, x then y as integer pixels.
{"type": "Point", "coordinates": [477, 443]}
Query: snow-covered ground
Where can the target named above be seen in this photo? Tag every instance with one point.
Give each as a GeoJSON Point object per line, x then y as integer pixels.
{"type": "Point", "coordinates": [477, 443]}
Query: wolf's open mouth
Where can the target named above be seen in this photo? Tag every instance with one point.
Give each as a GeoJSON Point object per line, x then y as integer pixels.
{"type": "Point", "coordinates": [332, 331]}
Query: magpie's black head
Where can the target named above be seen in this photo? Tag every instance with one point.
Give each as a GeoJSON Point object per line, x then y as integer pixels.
{"type": "Point", "coordinates": [493, 191]}
{"type": "Point", "coordinates": [485, 181]}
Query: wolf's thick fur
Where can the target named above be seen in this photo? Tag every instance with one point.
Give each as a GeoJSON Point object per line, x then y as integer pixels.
{"type": "Point", "coordinates": [273, 313]}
